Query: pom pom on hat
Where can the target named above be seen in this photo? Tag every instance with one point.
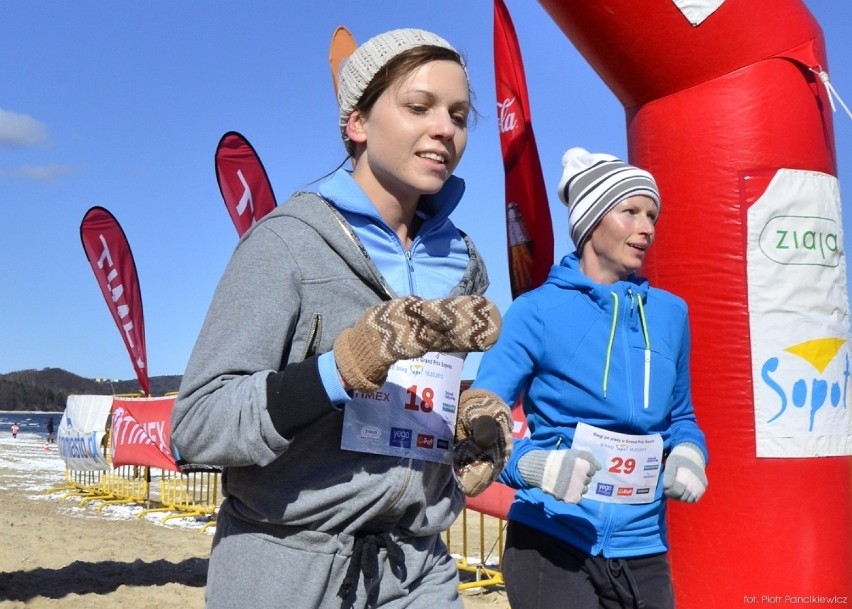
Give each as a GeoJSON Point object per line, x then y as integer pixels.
{"type": "Point", "coordinates": [593, 183]}
{"type": "Point", "coordinates": [362, 66]}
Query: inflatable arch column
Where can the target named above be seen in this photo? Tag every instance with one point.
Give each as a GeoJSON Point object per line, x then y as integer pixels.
{"type": "Point", "coordinates": [725, 105]}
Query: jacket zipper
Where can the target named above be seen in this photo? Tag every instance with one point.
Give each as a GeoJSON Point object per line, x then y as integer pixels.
{"type": "Point", "coordinates": [646, 356]}
{"type": "Point", "coordinates": [409, 461]}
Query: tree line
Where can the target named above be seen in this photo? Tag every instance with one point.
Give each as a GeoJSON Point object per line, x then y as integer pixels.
{"type": "Point", "coordinates": [48, 389]}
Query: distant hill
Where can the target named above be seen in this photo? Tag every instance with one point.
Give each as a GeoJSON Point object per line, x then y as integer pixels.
{"type": "Point", "coordinates": [47, 390]}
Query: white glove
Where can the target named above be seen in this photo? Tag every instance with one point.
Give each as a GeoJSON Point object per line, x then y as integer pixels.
{"type": "Point", "coordinates": [684, 478]}
{"type": "Point", "coordinates": [565, 474]}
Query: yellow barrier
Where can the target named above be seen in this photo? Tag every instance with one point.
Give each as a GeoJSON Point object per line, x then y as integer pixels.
{"type": "Point", "coordinates": [78, 483]}
{"type": "Point", "coordinates": [189, 494]}
{"type": "Point", "coordinates": [125, 484]}
{"type": "Point", "coordinates": [480, 558]}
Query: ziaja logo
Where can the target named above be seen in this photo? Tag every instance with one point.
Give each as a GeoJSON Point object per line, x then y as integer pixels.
{"type": "Point", "coordinates": [370, 433]}
{"type": "Point", "coordinates": [796, 384]}
{"type": "Point", "coordinates": [801, 240]}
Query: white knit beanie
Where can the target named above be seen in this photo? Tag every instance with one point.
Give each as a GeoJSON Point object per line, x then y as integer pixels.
{"type": "Point", "coordinates": [361, 67]}
{"type": "Point", "coordinates": [594, 183]}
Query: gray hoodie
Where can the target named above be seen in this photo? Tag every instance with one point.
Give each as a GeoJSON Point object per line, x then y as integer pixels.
{"type": "Point", "coordinates": [251, 399]}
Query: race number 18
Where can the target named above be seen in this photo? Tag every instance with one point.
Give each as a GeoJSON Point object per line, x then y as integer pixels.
{"type": "Point", "coordinates": [424, 402]}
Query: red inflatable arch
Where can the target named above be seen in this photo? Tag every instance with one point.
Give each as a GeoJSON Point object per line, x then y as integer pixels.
{"type": "Point", "coordinates": [728, 111]}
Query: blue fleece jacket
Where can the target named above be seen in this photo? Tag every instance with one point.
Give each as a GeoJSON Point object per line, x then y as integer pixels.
{"type": "Point", "coordinates": [577, 351]}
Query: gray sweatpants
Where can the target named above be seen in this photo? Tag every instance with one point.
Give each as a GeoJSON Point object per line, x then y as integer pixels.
{"type": "Point", "coordinates": [250, 566]}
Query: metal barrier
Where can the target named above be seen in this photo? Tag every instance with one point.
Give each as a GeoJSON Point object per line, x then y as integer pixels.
{"type": "Point", "coordinates": [78, 483]}
{"type": "Point", "coordinates": [480, 558]}
{"type": "Point", "coordinates": [122, 485]}
{"type": "Point", "coordinates": [189, 494]}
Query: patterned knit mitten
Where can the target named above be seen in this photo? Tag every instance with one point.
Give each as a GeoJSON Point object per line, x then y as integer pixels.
{"type": "Point", "coordinates": [410, 327]}
{"type": "Point", "coordinates": [462, 323]}
{"type": "Point", "coordinates": [483, 442]}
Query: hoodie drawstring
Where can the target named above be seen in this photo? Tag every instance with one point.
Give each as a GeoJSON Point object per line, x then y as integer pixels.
{"type": "Point", "coordinates": [615, 568]}
{"type": "Point", "coordinates": [365, 559]}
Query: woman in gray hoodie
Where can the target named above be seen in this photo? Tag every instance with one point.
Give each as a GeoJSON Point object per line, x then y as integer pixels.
{"type": "Point", "coordinates": [325, 377]}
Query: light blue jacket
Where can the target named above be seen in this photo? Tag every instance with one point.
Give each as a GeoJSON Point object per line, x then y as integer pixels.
{"type": "Point", "coordinates": [613, 356]}
{"type": "Point", "coordinates": [431, 268]}
{"type": "Point", "coordinates": [438, 256]}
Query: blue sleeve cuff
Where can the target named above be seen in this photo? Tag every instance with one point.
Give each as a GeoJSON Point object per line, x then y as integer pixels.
{"type": "Point", "coordinates": [331, 379]}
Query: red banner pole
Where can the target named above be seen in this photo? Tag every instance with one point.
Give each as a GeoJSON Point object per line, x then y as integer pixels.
{"type": "Point", "coordinates": [111, 260]}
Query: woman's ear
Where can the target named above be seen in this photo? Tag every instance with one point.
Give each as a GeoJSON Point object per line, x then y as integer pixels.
{"type": "Point", "coordinates": [355, 129]}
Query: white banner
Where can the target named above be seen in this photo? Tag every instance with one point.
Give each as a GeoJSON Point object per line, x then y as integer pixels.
{"type": "Point", "coordinates": [799, 318]}
{"type": "Point", "coordinates": [82, 431]}
{"type": "Point", "coordinates": [412, 415]}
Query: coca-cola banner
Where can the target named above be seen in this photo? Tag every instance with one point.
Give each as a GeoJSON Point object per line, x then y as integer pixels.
{"type": "Point", "coordinates": [112, 262]}
{"type": "Point", "coordinates": [528, 225]}
{"type": "Point", "coordinates": [142, 431]}
{"type": "Point", "coordinates": [242, 181]}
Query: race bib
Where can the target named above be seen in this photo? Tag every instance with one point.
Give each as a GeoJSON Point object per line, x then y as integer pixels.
{"type": "Point", "coordinates": [412, 415]}
{"type": "Point", "coordinates": [630, 464]}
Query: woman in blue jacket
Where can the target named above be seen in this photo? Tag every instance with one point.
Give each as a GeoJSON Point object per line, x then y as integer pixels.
{"type": "Point", "coordinates": [602, 360]}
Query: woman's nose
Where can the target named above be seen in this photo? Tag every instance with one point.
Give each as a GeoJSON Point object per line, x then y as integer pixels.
{"type": "Point", "coordinates": [646, 226]}
{"type": "Point", "coordinates": [443, 126]}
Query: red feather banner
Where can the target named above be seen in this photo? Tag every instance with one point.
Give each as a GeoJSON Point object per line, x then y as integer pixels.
{"type": "Point", "coordinates": [111, 260]}
{"type": "Point", "coordinates": [243, 182]}
{"type": "Point", "coordinates": [528, 226]}
{"type": "Point", "coordinates": [141, 432]}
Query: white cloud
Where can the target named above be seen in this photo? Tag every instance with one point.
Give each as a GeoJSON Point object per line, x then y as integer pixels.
{"type": "Point", "coordinates": [20, 130]}
{"type": "Point", "coordinates": [42, 172]}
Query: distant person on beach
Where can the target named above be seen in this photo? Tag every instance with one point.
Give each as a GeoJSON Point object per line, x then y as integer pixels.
{"type": "Point", "coordinates": [15, 429]}
{"type": "Point", "coordinates": [322, 299]}
{"type": "Point", "coordinates": [602, 359]}
{"type": "Point", "coordinates": [50, 430]}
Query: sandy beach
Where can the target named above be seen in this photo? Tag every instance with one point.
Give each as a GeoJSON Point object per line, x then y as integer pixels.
{"type": "Point", "coordinates": [55, 553]}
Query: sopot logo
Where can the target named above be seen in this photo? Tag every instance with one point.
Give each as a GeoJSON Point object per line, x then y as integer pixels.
{"type": "Point", "coordinates": [810, 390]}
{"type": "Point", "coordinates": [801, 240]}
{"type": "Point", "coordinates": [415, 369]}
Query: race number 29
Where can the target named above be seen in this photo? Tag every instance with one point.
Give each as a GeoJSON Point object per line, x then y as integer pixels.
{"type": "Point", "coordinates": [622, 466]}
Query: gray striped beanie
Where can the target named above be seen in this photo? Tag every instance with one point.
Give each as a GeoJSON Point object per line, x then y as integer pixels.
{"type": "Point", "coordinates": [362, 66]}
{"type": "Point", "coordinates": [594, 183]}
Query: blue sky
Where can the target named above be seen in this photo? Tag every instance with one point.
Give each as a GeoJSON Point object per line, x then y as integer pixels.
{"type": "Point", "coordinates": [122, 105]}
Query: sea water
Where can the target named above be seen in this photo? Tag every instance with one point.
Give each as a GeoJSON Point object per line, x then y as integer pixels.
{"type": "Point", "coordinates": [28, 422]}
